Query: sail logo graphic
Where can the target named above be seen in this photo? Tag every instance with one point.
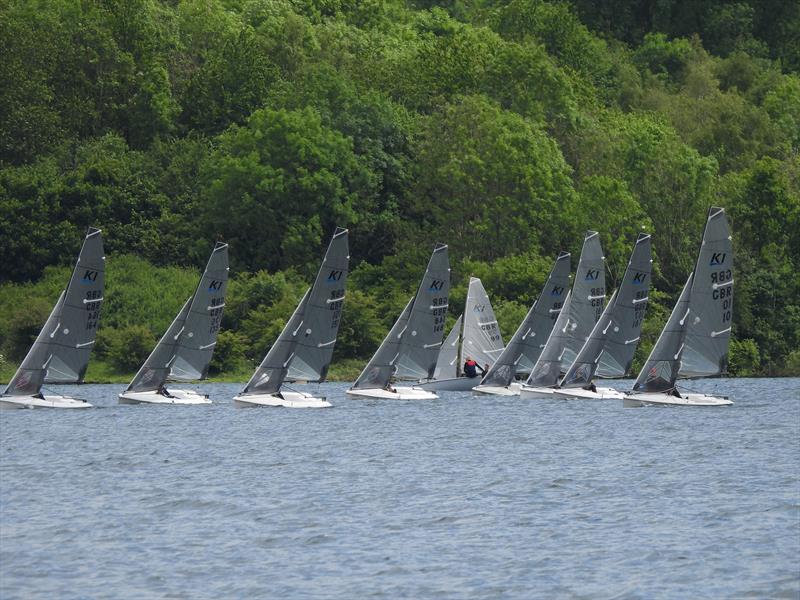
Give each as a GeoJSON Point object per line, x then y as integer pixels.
{"type": "Point", "coordinates": [479, 308]}
{"type": "Point", "coordinates": [717, 258]}
{"type": "Point", "coordinates": [436, 285]}
{"type": "Point", "coordinates": [334, 276]}
{"type": "Point", "coordinates": [214, 286]}
{"type": "Point", "coordinates": [639, 278]}
{"type": "Point", "coordinates": [557, 291]}
{"type": "Point", "coordinates": [89, 277]}
{"type": "Point", "coordinates": [592, 274]}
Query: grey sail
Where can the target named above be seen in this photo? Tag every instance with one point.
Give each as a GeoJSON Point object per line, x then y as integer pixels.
{"type": "Point", "coordinates": [155, 370]}
{"type": "Point", "coordinates": [271, 373]}
{"type": "Point", "coordinates": [660, 371]}
{"type": "Point", "coordinates": [588, 295]}
{"type": "Point", "coordinates": [629, 312]}
{"type": "Point", "coordinates": [195, 345]}
{"type": "Point", "coordinates": [531, 336]}
{"type": "Point", "coordinates": [711, 302]}
{"type": "Point", "coordinates": [323, 314]}
{"type": "Point", "coordinates": [447, 364]}
{"type": "Point", "coordinates": [481, 340]}
{"type": "Point", "coordinates": [547, 370]}
{"type": "Point", "coordinates": [420, 344]}
{"type": "Point", "coordinates": [77, 323]}
{"type": "Point", "coordinates": [381, 367]}
{"type": "Point", "coordinates": [28, 379]}
{"type": "Point", "coordinates": [581, 372]}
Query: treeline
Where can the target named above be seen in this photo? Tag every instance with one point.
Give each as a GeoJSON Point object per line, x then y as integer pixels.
{"type": "Point", "coordinates": [502, 128]}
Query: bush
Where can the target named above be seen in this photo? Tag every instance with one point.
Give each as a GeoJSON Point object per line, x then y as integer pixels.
{"type": "Point", "coordinates": [743, 358]}
{"type": "Point", "coordinates": [128, 347]}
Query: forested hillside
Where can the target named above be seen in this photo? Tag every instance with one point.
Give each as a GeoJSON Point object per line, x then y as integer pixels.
{"type": "Point", "coordinates": [504, 129]}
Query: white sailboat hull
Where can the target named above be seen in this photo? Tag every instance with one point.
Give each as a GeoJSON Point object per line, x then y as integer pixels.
{"type": "Point", "coordinates": [602, 393]}
{"type": "Point", "coordinates": [153, 397]}
{"type": "Point", "coordinates": [453, 384]}
{"type": "Point", "coordinates": [536, 393]}
{"type": "Point", "coordinates": [285, 399]}
{"type": "Point", "coordinates": [13, 402]}
{"type": "Point", "coordinates": [659, 399]}
{"type": "Point", "coordinates": [397, 393]}
{"type": "Point", "coordinates": [496, 390]}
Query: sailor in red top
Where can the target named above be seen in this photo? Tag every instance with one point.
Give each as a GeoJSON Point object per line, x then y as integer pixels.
{"type": "Point", "coordinates": [471, 368]}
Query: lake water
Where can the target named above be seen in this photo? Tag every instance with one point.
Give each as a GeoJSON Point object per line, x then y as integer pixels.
{"type": "Point", "coordinates": [460, 497]}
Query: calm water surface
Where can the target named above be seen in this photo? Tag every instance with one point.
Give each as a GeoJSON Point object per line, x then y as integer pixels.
{"type": "Point", "coordinates": [460, 497]}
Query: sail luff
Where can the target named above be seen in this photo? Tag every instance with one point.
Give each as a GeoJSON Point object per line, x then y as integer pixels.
{"type": "Point", "coordinates": [271, 373]}
{"type": "Point", "coordinates": [547, 369]}
{"type": "Point", "coordinates": [380, 368]}
{"type": "Point", "coordinates": [155, 370]}
{"type": "Point", "coordinates": [30, 375]}
{"type": "Point", "coordinates": [660, 370]}
{"type": "Point", "coordinates": [447, 364]}
{"type": "Point", "coordinates": [531, 336]}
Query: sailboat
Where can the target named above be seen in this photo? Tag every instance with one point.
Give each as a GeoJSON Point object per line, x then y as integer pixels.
{"type": "Point", "coordinates": [694, 342]}
{"type": "Point", "coordinates": [615, 336]}
{"type": "Point", "coordinates": [61, 351]}
{"type": "Point", "coordinates": [480, 339]}
{"type": "Point", "coordinates": [530, 337]}
{"type": "Point", "coordinates": [185, 350]}
{"type": "Point", "coordinates": [304, 348]}
{"type": "Point", "coordinates": [412, 345]}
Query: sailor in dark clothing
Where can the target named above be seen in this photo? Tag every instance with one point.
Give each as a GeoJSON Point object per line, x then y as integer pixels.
{"type": "Point", "coordinates": [471, 368]}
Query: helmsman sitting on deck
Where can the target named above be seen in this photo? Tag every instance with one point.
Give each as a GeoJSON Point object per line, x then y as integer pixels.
{"type": "Point", "coordinates": [471, 368]}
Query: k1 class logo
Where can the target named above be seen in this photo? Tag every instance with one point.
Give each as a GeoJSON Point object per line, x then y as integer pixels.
{"type": "Point", "coordinates": [557, 291]}
{"type": "Point", "coordinates": [214, 286]}
{"type": "Point", "coordinates": [479, 308]}
{"type": "Point", "coordinates": [592, 274]}
{"type": "Point", "coordinates": [717, 258]}
{"type": "Point", "coordinates": [89, 277]}
{"type": "Point", "coordinates": [436, 285]}
{"type": "Point", "coordinates": [334, 276]}
{"type": "Point", "coordinates": [639, 278]}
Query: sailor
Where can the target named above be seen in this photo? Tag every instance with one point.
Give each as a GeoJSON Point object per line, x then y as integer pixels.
{"type": "Point", "coordinates": [471, 368]}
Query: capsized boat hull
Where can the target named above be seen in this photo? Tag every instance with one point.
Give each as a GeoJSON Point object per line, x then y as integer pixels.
{"type": "Point", "coordinates": [396, 393]}
{"type": "Point", "coordinates": [528, 392]}
{"type": "Point", "coordinates": [496, 390]}
{"type": "Point", "coordinates": [13, 402]}
{"type": "Point", "coordinates": [153, 397]}
{"type": "Point", "coordinates": [284, 398]}
{"type": "Point", "coordinates": [602, 393]}
{"type": "Point", "coordinates": [659, 399]}
{"type": "Point", "coordinates": [453, 384]}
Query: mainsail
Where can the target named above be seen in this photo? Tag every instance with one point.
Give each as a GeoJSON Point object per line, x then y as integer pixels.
{"type": "Point", "coordinates": [710, 302]}
{"type": "Point", "coordinates": [76, 328]}
{"type": "Point", "coordinates": [530, 337]}
{"type": "Point", "coordinates": [420, 344]}
{"type": "Point", "coordinates": [155, 370]}
{"type": "Point", "coordinates": [324, 312]}
{"type": "Point", "coordinates": [195, 345]}
{"type": "Point", "coordinates": [28, 379]}
{"type": "Point", "coordinates": [660, 371]}
{"type": "Point", "coordinates": [629, 311]}
{"type": "Point", "coordinates": [271, 373]}
{"type": "Point", "coordinates": [581, 371]}
{"type": "Point", "coordinates": [382, 365]}
{"type": "Point", "coordinates": [547, 369]}
{"type": "Point", "coordinates": [447, 363]}
{"type": "Point", "coordinates": [588, 295]}
{"type": "Point", "coordinates": [482, 340]}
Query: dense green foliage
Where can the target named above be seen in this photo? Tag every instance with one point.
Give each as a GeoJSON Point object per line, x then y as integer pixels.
{"type": "Point", "coordinates": [504, 128]}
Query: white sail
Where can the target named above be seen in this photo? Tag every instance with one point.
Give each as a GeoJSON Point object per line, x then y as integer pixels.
{"type": "Point", "coordinates": [588, 295]}
{"type": "Point", "coordinates": [547, 370]}
{"type": "Point", "coordinates": [447, 363]}
{"type": "Point", "coordinates": [481, 339]}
